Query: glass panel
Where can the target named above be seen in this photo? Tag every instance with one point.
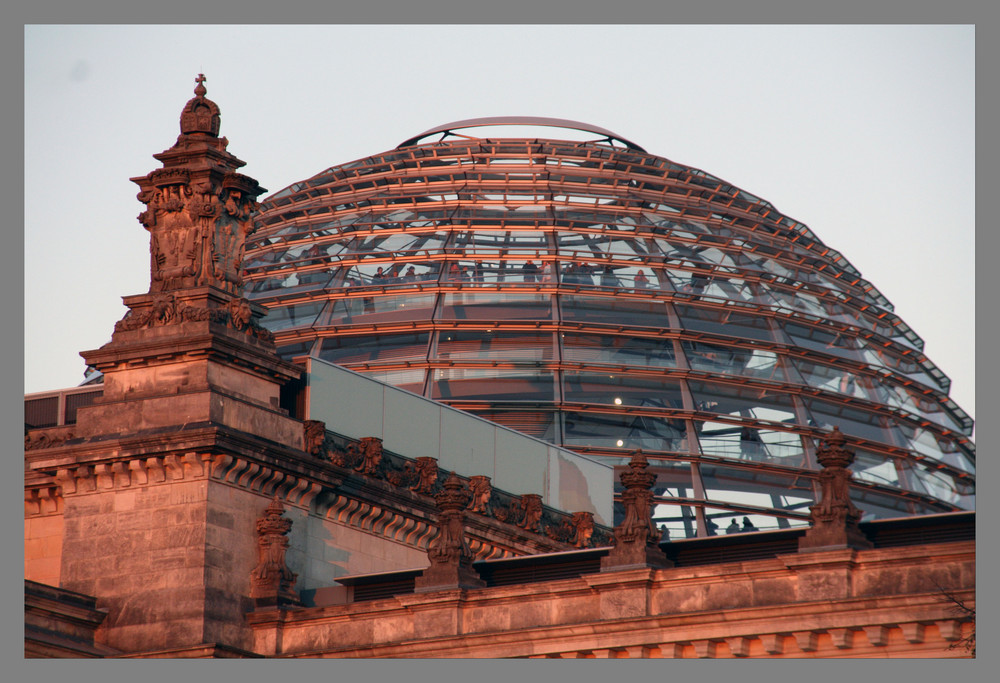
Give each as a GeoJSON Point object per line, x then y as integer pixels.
{"type": "Point", "coordinates": [720, 522]}
{"type": "Point", "coordinates": [723, 322]}
{"type": "Point", "coordinates": [594, 309]}
{"type": "Point", "coordinates": [593, 348]}
{"type": "Point", "coordinates": [917, 404]}
{"type": "Point", "coordinates": [619, 389]}
{"type": "Point", "coordinates": [293, 350]}
{"type": "Point", "coordinates": [824, 341]}
{"type": "Point", "coordinates": [883, 358]}
{"type": "Point", "coordinates": [941, 448]}
{"type": "Point", "coordinates": [496, 306]}
{"type": "Point", "coordinates": [960, 491]}
{"type": "Point", "coordinates": [832, 378]}
{"type": "Point", "coordinates": [487, 384]}
{"type": "Point", "coordinates": [410, 380]}
{"type": "Point", "coordinates": [728, 360]}
{"type": "Point", "coordinates": [875, 468]}
{"type": "Point", "coordinates": [881, 506]}
{"type": "Point", "coordinates": [674, 521]}
{"type": "Point", "coordinates": [493, 271]}
{"type": "Point", "coordinates": [490, 345]}
{"type": "Point", "coordinates": [605, 430]}
{"type": "Point", "coordinates": [539, 424]}
{"type": "Point", "coordinates": [377, 348]}
{"type": "Point", "coordinates": [752, 487]}
{"type": "Point", "coordinates": [301, 315]}
{"type": "Point", "coordinates": [739, 401]}
{"type": "Point", "coordinates": [373, 309]}
{"type": "Point", "coordinates": [392, 274]}
{"type": "Point", "coordinates": [751, 443]}
{"type": "Point", "coordinates": [853, 421]}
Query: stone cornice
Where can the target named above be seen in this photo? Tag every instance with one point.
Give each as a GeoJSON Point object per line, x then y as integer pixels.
{"type": "Point", "coordinates": [186, 340]}
{"type": "Point", "coordinates": [246, 462]}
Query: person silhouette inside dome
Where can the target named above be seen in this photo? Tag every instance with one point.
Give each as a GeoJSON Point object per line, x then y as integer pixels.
{"type": "Point", "coordinates": [641, 281]}
{"type": "Point", "coordinates": [733, 527]}
{"type": "Point", "coordinates": [530, 271]}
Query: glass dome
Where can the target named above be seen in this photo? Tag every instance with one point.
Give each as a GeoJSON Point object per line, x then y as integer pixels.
{"type": "Point", "coordinates": [606, 299]}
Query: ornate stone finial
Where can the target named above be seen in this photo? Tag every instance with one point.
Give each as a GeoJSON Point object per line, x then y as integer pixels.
{"type": "Point", "coordinates": [834, 521]}
{"type": "Point", "coordinates": [449, 552]}
{"type": "Point", "coordinates": [271, 580]}
{"type": "Point", "coordinates": [200, 114]}
{"type": "Point", "coordinates": [636, 538]}
{"type": "Point", "coordinates": [200, 89]}
{"type": "Point", "coordinates": [198, 209]}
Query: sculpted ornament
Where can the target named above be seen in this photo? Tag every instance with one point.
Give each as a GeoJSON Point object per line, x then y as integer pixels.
{"type": "Point", "coordinates": [426, 470]}
{"type": "Point", "coordinates": [481, 493]}
{"type": "Point", "coordinates": [165, 310]}
{"type": "Point", "coordinates": [636, 538]}
{"type": "Point", "coordinates": [638, 501]}
{"type": "Point", "coordinates": [34, 441]}
{"type": "Point", "coordinates": [314, 436]}
{"type": "Point", "coordinates": [531, 506]}
{"type": "Point", "coordinates": [835, 518]}
{"type": "Point", "coordinates": [450, 546]}
{"type": "Point", "coordinates": [583, 528]}
{"type": "Point", "coordinates": [271, 580]}
{"type": "Point", "coordinates": [370, 451]}
{"type": "Point", "coordinates": [198, 210]}
{"type": "Point", "coordinates": [577, 530]}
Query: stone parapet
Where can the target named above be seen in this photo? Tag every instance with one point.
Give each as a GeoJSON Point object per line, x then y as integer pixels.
{"type": "Point", "coordinates": [757, 608]}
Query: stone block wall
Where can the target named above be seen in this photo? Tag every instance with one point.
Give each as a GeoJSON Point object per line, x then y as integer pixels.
{"type": "Point", "coordinates": [43, 541]}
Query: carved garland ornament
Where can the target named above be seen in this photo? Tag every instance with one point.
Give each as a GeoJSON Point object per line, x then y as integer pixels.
{"type": "Point", "coordinates": [237, 315]}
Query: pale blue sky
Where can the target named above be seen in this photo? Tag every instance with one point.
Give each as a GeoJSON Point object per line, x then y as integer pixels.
{"type": "Point", "coordinates": [864, 133]}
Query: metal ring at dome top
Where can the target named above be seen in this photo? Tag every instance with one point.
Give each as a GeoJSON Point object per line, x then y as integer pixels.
{"type": "Point", "coordinates": [521, 121]}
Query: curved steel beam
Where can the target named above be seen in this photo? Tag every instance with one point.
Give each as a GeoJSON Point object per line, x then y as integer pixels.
{"type": "Point", "coordinates": [521, 121]}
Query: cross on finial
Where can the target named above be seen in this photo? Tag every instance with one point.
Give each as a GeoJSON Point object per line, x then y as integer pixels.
{"type": "Point", "coordinates": [200, 89]}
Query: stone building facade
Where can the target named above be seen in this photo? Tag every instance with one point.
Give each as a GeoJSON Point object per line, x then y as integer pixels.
{"type": "Point", "coordinates": [186, 510]}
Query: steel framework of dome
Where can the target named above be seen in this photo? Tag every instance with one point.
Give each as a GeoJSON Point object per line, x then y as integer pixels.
{"type": "Point", "coordinates": [607, 299]}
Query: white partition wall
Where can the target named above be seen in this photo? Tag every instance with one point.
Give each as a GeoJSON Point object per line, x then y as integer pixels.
{"type": "Point", "coordinates": [411, 425]}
